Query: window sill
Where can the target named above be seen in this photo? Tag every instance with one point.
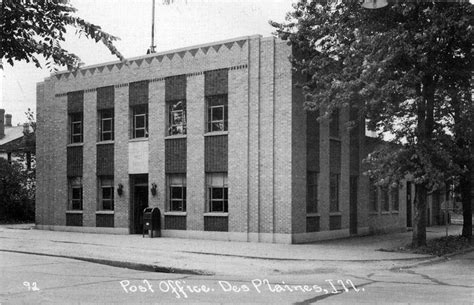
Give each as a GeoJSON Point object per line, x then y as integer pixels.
{"type": "Point", "coordinates": [75, 144]}
{"type": "Point", "coordinates": [138, 140]}
{"type": "Point", "coordinates": [335, 138]}
{"type": "Point", "coordinates": [171, 213]}
{"type": "Point", "coordinates": [105, 212]}
{"type": "Point", "coordinates": [335, 213]}
{"type": "Point", "coordinates": [312, 215]}
{"type": "Point", "coordinates": [216, 214]}
{"type": "Point", "coordinates": [74, 212]}
{"type": "Point", "coordinates": [373, 213]}
{"type": "Point", "coordinates": [177, 136]}
{"type": "Point", "coordinates": [105, 142]}
{"type": "Point", "coordinates": [385, 213]}
{"type": "Point", "coordinates": [216, 133]}
{"type": "Point", "coordinates": [395, 212]}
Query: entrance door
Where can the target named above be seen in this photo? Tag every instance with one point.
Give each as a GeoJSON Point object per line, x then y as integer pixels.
{"type": "Point", "coordinates": [139, 188]}
{"type": "Point", "coordinates": [353, 205]}
{"type": "Point", "coordinates": [409, 204]}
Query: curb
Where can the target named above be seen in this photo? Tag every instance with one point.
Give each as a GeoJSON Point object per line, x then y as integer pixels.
{"type": "Point", "coordinates": [310, 259]}
{"type": "Point", "coordinates": [435, 259]}
{"type": "Point", "coordinates": [121, 264]}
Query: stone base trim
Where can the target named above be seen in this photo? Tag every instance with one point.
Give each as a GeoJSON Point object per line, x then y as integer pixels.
{"type": "Point", "coordinates": [317, 236]}
{"type": "Point", "coordinates": [98, 230]}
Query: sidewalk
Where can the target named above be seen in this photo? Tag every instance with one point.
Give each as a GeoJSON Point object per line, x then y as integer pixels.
{"type": "Point", "coordinates": [212, 257]}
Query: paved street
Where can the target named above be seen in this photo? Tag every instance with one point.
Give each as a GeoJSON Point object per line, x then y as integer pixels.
{"type": "Point", "coordinates": [34, 279]}
{"type": "Point", "coordinates": [64, 267]}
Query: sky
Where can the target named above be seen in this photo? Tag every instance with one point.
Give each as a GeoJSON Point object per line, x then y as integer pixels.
{"type": "Point", "coordinates": [182, 24]}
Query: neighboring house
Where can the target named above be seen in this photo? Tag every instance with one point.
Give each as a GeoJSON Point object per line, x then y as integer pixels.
{"type": "Point", "coordinates": [213, 135]}
{"type": "Point", "coordinates": [13, 142]}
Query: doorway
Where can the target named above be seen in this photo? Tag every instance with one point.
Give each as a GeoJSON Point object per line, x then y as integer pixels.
{"type": "Point", "coordinates": [138, 202]}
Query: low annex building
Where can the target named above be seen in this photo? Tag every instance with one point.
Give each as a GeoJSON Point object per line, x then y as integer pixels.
{"type": "Point", "coordinates": [213, 135]}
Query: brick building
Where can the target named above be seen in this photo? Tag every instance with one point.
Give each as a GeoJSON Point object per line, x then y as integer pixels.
{"type": "Point", "coordinates": [213, 135]}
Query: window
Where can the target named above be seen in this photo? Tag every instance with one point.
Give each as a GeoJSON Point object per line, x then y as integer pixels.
{"type": "Point", "coordinates": [106, 193]}
{"type": "Point", "coordinates": [177, 117]}
{"type": "Point", "coordinates": [385, 199]}
{"type": "Point", "coordinates": [217, 192]}
{"type": "Point", "coordinates": [75, 193]}
{"type": "Point", "coordinates": [75, 120]}
{"type": "Point", "coordinates": [395, 198]}
{"type": "Point", "coordinates": [140, 121]}
{"type": "Point", "coordinates": [177, 192]}
{"type": "Point", "coordinates": [312, 192]}
{"type": "Point", "coordinates": [217, 113]}
{"type": "Point", "coordinates": [373, 196]}
{"type": "Point", "coordinates": [106, 125]}
{"type": "Point", "coordinates": [334, 193]}
{"type": "Point", "coordinates": [334, 124]}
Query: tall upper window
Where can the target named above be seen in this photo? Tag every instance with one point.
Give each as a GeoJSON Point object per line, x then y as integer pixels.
{"type": "Point", "coordinates": [217, 113]}
{"type": "Point", "coordinates": [177, 117]}
{"type": "Point", "coordinates": [217, 192]}
{"type": "Point", "coordinates": [75, 193]}
{"type": "Point", "coordinates": [334, 124]}
{"type": "Point", "coordinates": [106, 125]}
{"type": "Point", "coordinates": [312, 192]}
{"type": "Point", "coordinates": [373, 196]}
{"type": "Point", "coordinates": [385, 199]}
{"type": "Point", "coordinates": [106, 193]}
{"type": "Point", "coordinates": [76, 128]}
{"type": "Point", "coordinates": [177, 192]}
{"type": "Point", "coordinates": [140, 121]}
{"type": "Point", "coordinates": [395, 198]}
{"type": "Point", "coordinates": [334, 192]}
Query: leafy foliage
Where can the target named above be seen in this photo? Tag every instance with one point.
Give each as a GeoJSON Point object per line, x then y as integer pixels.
{"type": "Point", "coordinates": [17, 192]}
{"type": "Point", "coordinates": [405, 68]}
{"type": "Point", "coordinates": [38, 27]}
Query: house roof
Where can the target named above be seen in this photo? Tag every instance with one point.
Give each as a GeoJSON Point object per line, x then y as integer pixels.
{"type": "Point", "coordinates": [11, 134]}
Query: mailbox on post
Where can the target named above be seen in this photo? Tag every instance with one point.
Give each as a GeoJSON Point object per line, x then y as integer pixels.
{"type": "Point", "coordinates": [151, 221]}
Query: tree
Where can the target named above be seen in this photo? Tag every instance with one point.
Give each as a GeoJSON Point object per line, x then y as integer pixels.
{"type": "Point", "coordinates": [17, 201]}
{"type": "Point", "coordinates": [394, 66]}
{"type": "Point", "coordinates": [31, 28]}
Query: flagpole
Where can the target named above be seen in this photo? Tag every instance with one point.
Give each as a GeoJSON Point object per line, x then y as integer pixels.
{"type": "Point", "coordinates": [152, 47]}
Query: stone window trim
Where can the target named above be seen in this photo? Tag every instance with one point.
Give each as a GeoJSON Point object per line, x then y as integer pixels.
{"type": "Point", "coordinates": [171, 213]}
{"type": "Point", "coordinates": [217, 193]}
{"type": "Point", "coordinates": [105, 212]}
{"type": "Point", "coordinates": [176, 195]}
{"type": "Point", "coordinates": [216, 214]}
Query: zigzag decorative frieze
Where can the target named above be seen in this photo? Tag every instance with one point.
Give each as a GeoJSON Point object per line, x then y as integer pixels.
{"type": "Point", "coordinates": [149, 60]}
{"type": "Point", "coordinates": [160, 79]}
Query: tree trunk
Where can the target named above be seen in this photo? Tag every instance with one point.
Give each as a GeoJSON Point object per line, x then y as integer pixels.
{"type": "Point", "coordinates": [419, 219]}
{"type": "Point", "coordinates": [465, 187]}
